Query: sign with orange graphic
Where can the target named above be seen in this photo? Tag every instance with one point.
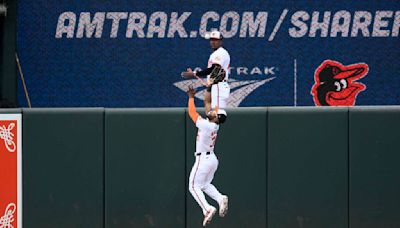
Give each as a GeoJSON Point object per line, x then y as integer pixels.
{"type": "Point", "coordinates": [10, 171]}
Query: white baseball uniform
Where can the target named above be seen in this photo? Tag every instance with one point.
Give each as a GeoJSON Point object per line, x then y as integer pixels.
{"type": "Point", "coordinates": [206, 162]}
{"type": "Point", "coordinates": [220, 92]}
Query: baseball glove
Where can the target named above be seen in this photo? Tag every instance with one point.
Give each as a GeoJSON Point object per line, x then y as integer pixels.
{"type": "Point", "coordinates": [217, 75]}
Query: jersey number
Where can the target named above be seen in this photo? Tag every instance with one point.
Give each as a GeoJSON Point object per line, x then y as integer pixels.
{"type": "Point", "coordinates": [213, 138]}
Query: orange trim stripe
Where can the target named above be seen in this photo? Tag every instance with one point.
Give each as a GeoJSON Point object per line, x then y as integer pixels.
{"type": "Point", "coordinates": [192, 110]}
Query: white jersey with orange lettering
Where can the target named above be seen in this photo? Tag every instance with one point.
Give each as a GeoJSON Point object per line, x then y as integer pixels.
{"type": "Point", "coordinates": [220, 92]}
{"type": "Point", "coordinates": [206, 135]}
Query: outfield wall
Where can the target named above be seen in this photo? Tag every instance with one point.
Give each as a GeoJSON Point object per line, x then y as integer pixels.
{"type": "Point", "coordinates": [281, 167]}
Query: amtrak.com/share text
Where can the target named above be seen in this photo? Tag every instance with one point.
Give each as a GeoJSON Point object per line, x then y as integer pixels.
{"type": "Point", "coordinates": [248, 24]}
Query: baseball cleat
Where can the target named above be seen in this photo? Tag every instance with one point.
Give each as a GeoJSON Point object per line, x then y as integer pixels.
{"type": "Point", "coordinates": [223, 206]}
{"type": "Point", "coordinates": [208, 217]}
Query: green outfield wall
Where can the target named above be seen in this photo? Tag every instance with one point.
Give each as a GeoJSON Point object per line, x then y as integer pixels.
{"type": "Point", "coordinates": [281, 167]}
{"type": "Point", "coordinates": [63, 168]}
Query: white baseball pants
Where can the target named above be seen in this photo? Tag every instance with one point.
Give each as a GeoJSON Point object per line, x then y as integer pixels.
{"type": "Point", "coordinates": [200, 180]}
{"type": "Point", "coordinates": [220, 95]}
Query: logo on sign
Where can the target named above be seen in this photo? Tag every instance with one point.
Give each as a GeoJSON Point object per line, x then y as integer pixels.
{"type": "Point", "coordinates": [239, 89]}
{"type": "Point", "coordinates": [7, 136]}
{"type": "Point", "coordinates": [336, 84]}
{"type": "Point", "coordinates": [8, 217]}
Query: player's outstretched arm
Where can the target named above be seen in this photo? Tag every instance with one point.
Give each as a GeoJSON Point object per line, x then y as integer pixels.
{"type": "Point", "coordinates": [191, 106]}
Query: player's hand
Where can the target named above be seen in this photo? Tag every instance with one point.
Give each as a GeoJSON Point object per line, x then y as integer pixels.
{"type": "Point", "coordinates": [191, 92]}
{"type": "Point", "coordinates": [188, 73]}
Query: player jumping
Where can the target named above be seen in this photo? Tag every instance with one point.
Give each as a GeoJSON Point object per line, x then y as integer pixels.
{"type": "Point", "coordinates": [206, 162]}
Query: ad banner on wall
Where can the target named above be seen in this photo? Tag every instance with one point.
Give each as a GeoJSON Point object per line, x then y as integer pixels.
{"type": "Point", "coordinates": [282, 53]}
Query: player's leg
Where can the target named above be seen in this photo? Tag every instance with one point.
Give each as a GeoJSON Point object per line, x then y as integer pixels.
{"type": "Point", "coordinates": [197, 180]}
{"type": "Point", "coordinates": [209, 188]}
{"type": "Point", "coordinates": [213, 192]}
{"type": "Point", "coordinates": [220, 95]}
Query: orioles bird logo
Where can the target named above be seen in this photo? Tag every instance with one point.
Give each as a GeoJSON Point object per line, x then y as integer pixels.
{"type": "Point", "coordinates": [335, 84]}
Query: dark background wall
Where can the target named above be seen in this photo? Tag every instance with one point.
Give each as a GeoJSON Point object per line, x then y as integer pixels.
{"type": "Point", "coordinates": [63, 168]}
{"type": "Point", "coordinates": [8, 70]}
{"type": "Point", "coordinates": [373, 169]}
{"type": "Point", "coordinates": [281, 167]}
{"type": "Point", "coordinates": [145, 168]}
{"type": "Point", "coordinates": [307, 167]}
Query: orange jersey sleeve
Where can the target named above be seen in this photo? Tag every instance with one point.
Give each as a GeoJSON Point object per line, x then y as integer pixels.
{"type": "Point", "coordinates": [192, 110]}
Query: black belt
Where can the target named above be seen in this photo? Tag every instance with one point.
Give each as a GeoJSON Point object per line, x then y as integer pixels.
{"type": "Point", "coordinates": [199, 153]}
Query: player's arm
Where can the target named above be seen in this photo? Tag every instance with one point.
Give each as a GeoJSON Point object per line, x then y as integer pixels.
{"type": "Point", "coordinates": [207, 71]}
{"type": "Point", "coordinates": [191, 106]}
{"type": "Point", "coordinates": [190, 73]}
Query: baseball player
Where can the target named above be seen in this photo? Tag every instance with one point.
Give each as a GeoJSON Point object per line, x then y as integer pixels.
{"type": "Point", "coordinates": [217, 73]}
{"type": "Point", "coordinates": [206, 162]}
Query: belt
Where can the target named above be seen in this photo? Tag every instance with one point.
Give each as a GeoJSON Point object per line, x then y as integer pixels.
{"type": "Point", "coordinates": [206, 153]}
